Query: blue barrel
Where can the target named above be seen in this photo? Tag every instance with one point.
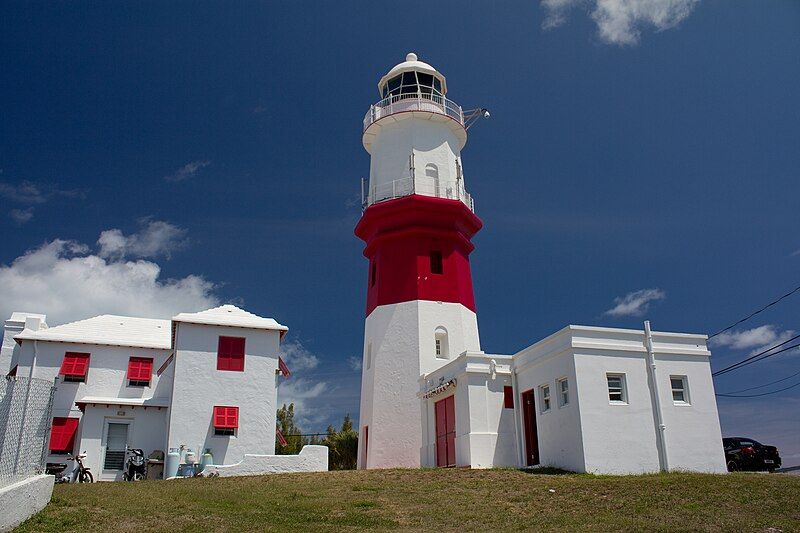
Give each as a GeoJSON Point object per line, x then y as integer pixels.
{"type": "Point", "coordinates": [171, 465]}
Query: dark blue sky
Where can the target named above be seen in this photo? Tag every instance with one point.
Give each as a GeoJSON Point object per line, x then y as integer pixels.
{"type": "Point", "coordinates": [670, 164]}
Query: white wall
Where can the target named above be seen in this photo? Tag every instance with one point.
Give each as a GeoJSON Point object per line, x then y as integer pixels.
{"type": "Point", "coordinates": [147, 429]}
{"type": "Point", "coordinates": [13, 326]}
{"type": "Point", "coordinates": [24, 499]}
{"type": "Point", "coordinates": [106, 377]}
{"type": "Point", "coordinates": [312, 458]}
{"type": "Point", "coordinates": [199, 386]}
{"type": "Point", "coordinates": [403, 348]}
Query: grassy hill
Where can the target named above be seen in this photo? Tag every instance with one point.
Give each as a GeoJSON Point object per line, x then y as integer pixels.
{"type": "Point", "coordinates": [432, 500]}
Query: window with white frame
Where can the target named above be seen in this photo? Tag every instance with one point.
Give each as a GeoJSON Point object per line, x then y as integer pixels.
{"type": "Point", "coordinates": [616, 388]}
{"type": "Point", "coordinates": [440, 343]}
{"type": "Point", "coordinates": [563, 392]}
{"type": "Point", "coordinates": [680, 389]}
{"type": "Point", "coordinates": [544, 397]}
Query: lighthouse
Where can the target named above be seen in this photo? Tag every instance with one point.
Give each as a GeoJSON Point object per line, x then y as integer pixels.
{"type": "Point", "coordinates": [417, 226]}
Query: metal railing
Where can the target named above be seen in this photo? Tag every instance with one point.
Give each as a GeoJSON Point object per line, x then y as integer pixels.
{"type": "Point", "coordinates": [400, 103]}
{"type": "Point", "coordinates": [422, 185]}
{"type": "Point", "coordinates": [26, 407]}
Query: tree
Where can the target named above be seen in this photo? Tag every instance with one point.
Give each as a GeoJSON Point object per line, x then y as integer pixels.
{"type": "Point", "coordinates": [342, 446]}
{"type": "Point", "coordinates": [290, 432]}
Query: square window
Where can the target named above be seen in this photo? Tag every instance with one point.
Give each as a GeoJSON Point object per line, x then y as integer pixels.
{"type": "Point", "coordinates": [436, 262]}
{"type": "Point", "coordinates": [563, 392]}
{"type": "Point", "coordinates": [680, 389]}
{"type": "Point", "coordinates": [140, 370]}
{"type": "Point", "coordinates": [508, 397]}
{"type": "Point", "coordinates": [226, 420]}
{"type": "Point", "coordinates": [616, 388]}
{"type": "Point", "coordinates": [230, 354]}
{"type": "Point", "coordinates": [544, 396]}
{"type": "Point", "coordinates": [75, 366]}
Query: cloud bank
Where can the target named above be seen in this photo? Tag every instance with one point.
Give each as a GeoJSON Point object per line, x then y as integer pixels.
{"type": "Point", "coordinates": [155, 238]}
{"type": "Point", "coordinates": [188, 170]}
{"type": "Point", "coordinates": [621, 22]}
{"type": "Point", "coordinates": [68, 282]}
{"type": "Point", "coordinates": [756, 339]}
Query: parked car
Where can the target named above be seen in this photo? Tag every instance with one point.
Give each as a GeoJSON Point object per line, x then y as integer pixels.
{"type": "Point", "coordinates": [747, 454]}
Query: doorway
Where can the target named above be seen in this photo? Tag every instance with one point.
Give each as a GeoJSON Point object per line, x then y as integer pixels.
{"type": "Point", "coordinates": [531, 433]}
{"type": "Point", "coordinates": [116, 442]}
{"type": "Point", "coordinates": [446, 432]}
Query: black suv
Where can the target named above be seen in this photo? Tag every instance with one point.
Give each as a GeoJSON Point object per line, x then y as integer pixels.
{"type": "Point", "coordinates": [748, 454]}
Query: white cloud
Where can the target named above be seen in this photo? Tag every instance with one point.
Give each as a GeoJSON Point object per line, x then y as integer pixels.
{"type": "Point", "coordinates": [155, 238]}
{"type": "Point", "coordinates": [303, 393]}
{"type": "Point", "coordinates": [635, 303]}
{"type": "Point", "coordinates": [65, 281]}
{"type": "Point", "coordinates": [188, 170]}
{"type": "Point", "coordinates": [21, 216]}
{"type": "Point", "coordinates": [354, 362]}
{"type": "Point", "coordinates": [621, 21]}
{"type": "Point", "coordinates": [297, 357]}
{"type": "Point", "coordinates": [756, 339]}
{"type": "Point", "coordinates": [29, 192]}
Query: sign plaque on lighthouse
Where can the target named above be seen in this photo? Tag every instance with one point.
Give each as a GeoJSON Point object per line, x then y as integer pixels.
{"type": "Point", "coordinates": [417, 225]}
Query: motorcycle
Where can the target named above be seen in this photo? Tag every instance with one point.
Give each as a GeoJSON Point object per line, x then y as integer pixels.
{"type": "Point", "coordinates": [136, 466]}
{"type": "Point", "coordinates": [79, 474]}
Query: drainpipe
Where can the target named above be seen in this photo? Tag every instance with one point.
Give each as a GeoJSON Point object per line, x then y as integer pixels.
{"type": "Point", "coordinates": [661, 429]}
{"type": "Point", "coordinates": [517, 432]}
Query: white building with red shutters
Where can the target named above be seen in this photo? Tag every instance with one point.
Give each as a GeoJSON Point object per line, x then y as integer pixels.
{"type": "Point", "coordinates": [200, 381]}
{"type": "Point", "coordinates": [587, 399]}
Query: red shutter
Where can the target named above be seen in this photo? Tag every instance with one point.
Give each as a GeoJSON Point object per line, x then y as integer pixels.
{"type": "Point", "coordinates": [508, 397]}
{"type": "Point", "coordinates": [226, 417]}
{"type": "Point", "coordinates": [62, 434]}
{"type": "Point", "coordinates": [75, 364]}
{"type": "Point", "coordinates": [230, 354]}
{"type": "Point", "coordinates": [140, 368]}
{"type": "Point", "coordinates": [445, 431]}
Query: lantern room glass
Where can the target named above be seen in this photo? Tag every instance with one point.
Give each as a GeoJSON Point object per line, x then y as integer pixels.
{"type": "Point", "coordinates": [413, 84]}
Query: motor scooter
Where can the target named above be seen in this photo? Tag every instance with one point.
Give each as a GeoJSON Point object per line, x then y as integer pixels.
{"type": "Point", "coordinates": [135, 466]}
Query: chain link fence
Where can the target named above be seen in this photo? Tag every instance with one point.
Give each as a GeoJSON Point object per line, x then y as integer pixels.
{"type": "Point", "coordinates": [26, 406]}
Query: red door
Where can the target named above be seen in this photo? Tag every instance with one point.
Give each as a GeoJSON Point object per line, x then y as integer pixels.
{"type": "Point", "coordinates": [446, 432]}
{"type": "Point", "coordinates": [531, 434]}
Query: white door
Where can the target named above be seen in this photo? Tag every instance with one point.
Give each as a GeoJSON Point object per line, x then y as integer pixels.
{"type": "Point", "coordinates": [116, 440]}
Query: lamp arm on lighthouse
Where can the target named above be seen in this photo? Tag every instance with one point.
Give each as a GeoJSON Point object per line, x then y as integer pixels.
{"type": "Point", "coordinates": [471, 116]}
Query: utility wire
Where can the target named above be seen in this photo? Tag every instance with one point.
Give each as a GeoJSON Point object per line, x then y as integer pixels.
{"type": "Point", "coordinates": [760, 386]}
{"type": "Point", "coordinates": [751, 315]}
{"type": "Point", "coordinates": [758, 357]}
{"type": "Point", "coordinates": [756, 395]}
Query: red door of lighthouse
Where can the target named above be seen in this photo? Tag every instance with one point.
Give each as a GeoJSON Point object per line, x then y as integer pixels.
{"type": "Point", "coordinates": [531, 433]}
{"type": "Point", "coordinates": [446, 432]}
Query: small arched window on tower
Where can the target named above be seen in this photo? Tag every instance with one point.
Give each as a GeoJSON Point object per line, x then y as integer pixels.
{"type": "Point", "coordinates": [432, 177]}
{"type": "Point", "coordinates": [440, 343]}
{"type": "Point", "coordinates": [368, 357]}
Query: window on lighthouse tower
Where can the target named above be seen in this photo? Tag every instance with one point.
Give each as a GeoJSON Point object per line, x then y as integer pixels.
{"type": "Point", "coordinates": [440, 343]}
{"type": "Point", "coordinates": [436, 262]}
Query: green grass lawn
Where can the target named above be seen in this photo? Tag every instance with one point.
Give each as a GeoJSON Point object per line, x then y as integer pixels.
{"type": "Point", "coordinates": [431, 500]}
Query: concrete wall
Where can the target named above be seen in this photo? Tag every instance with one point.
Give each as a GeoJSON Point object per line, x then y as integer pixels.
{"type": "Point", "coordinates": [199, 386]}
{"type": "Point", "coordinates": [9, 352]}
{"type": "Point", "coordinates": [312, 458]}
{"type": "Point", "coordinates": [147, 429]}
{"type": "Point", "coordinates": [23, 499]}
{"type": "Point", "coordinates": [106, 377]}
{"type": "Point", "coordinates": [403, 348]}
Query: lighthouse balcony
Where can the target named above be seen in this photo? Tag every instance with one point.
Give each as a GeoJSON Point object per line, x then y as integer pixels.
{"type": "Point", "coordinates": [421, 185]}
{"type": "Point", "coordinates": [410, 102]}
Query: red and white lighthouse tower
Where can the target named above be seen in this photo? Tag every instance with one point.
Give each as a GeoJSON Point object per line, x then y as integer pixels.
{"type": "Point", "coordinates": [417, 225]}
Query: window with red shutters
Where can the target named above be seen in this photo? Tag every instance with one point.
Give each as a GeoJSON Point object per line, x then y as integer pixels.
{"type": "Point", "coordinates": [230, 354]}
{"type": "Point", "coordinates": [226, 420]}
{"type": "Point", "coordinates": [508, 397]}
{"type": "Point", "coordinates": [140, 370]}
{"type": "Point", "coordinates": [62, 434]}
{"type": "Point", "coordinates": [75, 366]}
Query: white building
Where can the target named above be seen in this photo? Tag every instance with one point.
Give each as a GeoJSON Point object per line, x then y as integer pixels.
{"type": "Point", "coordinates": [203, 380]}
{"type": "Point", "coordinates": [586, 399]}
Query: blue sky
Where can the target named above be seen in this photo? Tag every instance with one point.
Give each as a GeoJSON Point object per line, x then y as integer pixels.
{"type": "Point", "coordinates": [158, 157]}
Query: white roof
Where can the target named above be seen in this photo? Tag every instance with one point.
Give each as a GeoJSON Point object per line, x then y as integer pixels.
{"type": "Point", "coordinates": [112, 330]}
{"type": "Point", "coordinates": [147, 402]}
{"type": "Point", "coordinates": [412, 63]}
{"type": "Point", "coordinates": [230, 315]}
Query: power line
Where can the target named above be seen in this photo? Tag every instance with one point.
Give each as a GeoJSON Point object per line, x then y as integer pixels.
{"type": "Point", "coordinates": [751, 315]}
{"type": "Point", "coordinates": [760, 386]}
{"type": "Point", "coordinates": [758, 357]}
{"type": "Point", "coordinates": [756, 395]}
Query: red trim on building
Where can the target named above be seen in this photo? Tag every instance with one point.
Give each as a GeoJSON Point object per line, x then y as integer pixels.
{"type": "Point", "coordinates": [230, 354]}
{"type": "Point", "coordinates": [226, 417]}
{"type": "Point", "coordinates": [75, 364]}
{"type": "Point", "coordinates": [400, 235]}
{"type": "Point", "coordinates": [62, 434]}
{"type": "Point", "coordinates": [508, 397]}
{"type": "Point", "coordinates": [140, 369]}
